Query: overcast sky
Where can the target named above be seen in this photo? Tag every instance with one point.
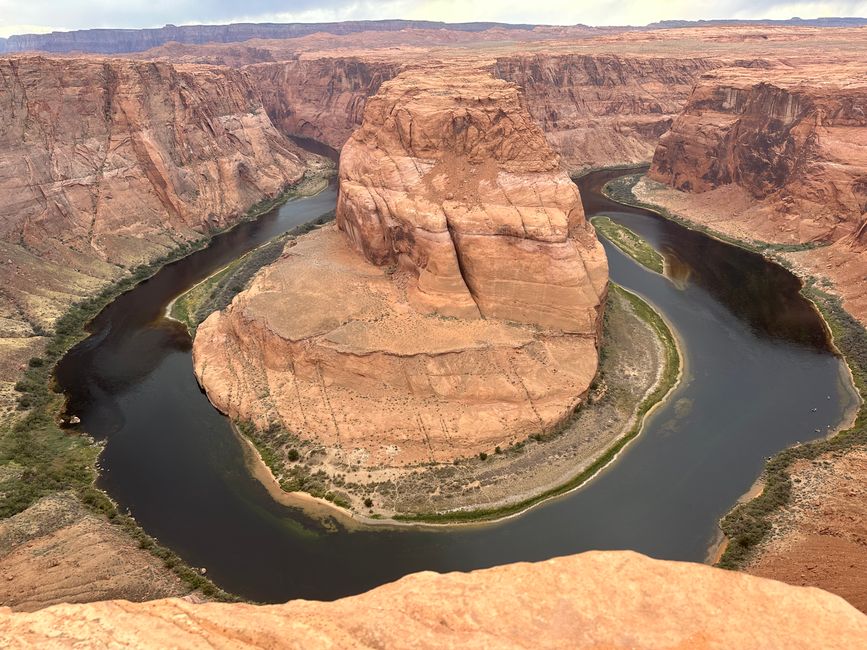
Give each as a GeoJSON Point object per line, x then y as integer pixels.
{"type": "Point", "coordinates": [26, 16]}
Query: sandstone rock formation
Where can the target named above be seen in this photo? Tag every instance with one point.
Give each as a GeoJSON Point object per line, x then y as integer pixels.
{"type": "Point", "coordinates": [58, 551]}
{"type": "Point", "coordinates": [595, 109]}
{"type": "Point", "coordinates": [467, 315]}
{"type": "Point", "coordinates": [450, 179]}
{"type": "Point", "coordinates": [593, 600]}
{"type": "Point", "coordinates": [321, 98]}
{"type": "Point", "coordinates": [778, 156]}
{"type": "Point", "coordinates": [106, 164]}
{"type": "Point", "coordinates": [599, 109]}
{"type": "Point", "coordinates": [795, 140]}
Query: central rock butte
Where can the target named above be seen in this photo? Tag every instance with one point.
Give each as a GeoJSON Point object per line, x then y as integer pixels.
{"type": "Point", "coordinates": [456, 309]}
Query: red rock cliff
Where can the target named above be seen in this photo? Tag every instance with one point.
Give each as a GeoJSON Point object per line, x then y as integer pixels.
{"type": "Point", "coordinates": [450, 179]}
{"type": "Point", "coordinates": [603, 109]}
{"type": "Point", "coordinates": [320, 98]}
{"type": "Point", "coordinates": [594, 109]}
{"type": "Point", "coordinates": [107, 163]}
{"type": "Point", "coordinates": [795, 141]}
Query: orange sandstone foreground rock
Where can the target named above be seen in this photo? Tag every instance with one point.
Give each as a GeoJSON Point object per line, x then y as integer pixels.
{"type": "Point", "coordinates": [594, 600]}
{"type": "Point", "coordinates": [451, 180]}
{"type": "Point", "coordinates": [458, 309]}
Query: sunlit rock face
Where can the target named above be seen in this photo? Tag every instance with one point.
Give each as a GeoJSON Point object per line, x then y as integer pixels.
{"type": "Point", "coordinates": [450, 179]}
{"type": "Point", "coordinates": [595, 600]}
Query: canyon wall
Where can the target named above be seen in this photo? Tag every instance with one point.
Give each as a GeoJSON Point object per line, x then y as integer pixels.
{"type": "Point", "coordinates": [778, 156]}
{"type": "Point", "coordinates": [593, 600]}
{"type": "Point", "coordinates": [595, 109]}
{"type": "Point", "coordinates": [107, 164]}
{"type": "Point", "coordinates": [779, 160]}
{"type": "Point", "coordinates": [320, 98]}
{"type": "Point", "coordinates": [456, 310]}
{"type": "Point", "coordinates": [794, 140]}
{"type": "Point", "coordinates": [601, 109]}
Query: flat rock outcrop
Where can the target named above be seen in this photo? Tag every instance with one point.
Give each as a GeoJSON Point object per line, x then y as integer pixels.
{"type": "Point", "coordinates": [457, 308]}
{"type": "Point", "coordinates": [593, 600]}
{"type": "Point", "coordinates": [58, 551]}
{"type": "Point", "coordinates": [828, 551]}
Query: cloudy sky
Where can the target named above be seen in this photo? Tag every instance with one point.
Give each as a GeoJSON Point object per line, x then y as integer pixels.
{"type": "Point", "coordinates": [27, 16]}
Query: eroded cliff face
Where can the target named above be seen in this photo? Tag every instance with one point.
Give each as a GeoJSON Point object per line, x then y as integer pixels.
{"type": "Point", "coordinates": [320, 98]}
{"type": "Point", "coordinates": [593, 600]}
{"type": "Point", "coordinates": [106, 164]}
{"type": "Point", "coordinates": [595, 109]}
{"type": "Point", "coordinates": [601, 109]}
{"type": "Point", "coordinates": [777, 156]}
{"type": "Point", "coordinates": [794, 140]}
{"type": "Point", "coordinates": [456, 310]}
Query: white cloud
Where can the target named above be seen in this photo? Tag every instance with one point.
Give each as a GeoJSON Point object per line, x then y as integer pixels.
{"type": "Point", "coordinates": [9, 30]}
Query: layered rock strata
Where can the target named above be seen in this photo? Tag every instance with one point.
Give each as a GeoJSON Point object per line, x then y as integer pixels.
{"type": "Point", "coordinates": [779, 157]}
{"type": "Point", "coordinates": [106, 41]}
{"type": "Point", "coordinates": [457, 309]}
{"type": "Point", "coordinates": [598, 109]}
{"type": "Point", "coordinates": [451, 180]}
{"type": "Point", "coordinates": [595, 109]}
{"type": "Point", "coordinates": [593, 600]}
{"type": "Point", "coordinates": [794, 140]}
{"type": "Point", "coordinates": [321, 98]}
{"type": "Point", "coordinates": [106, 164]}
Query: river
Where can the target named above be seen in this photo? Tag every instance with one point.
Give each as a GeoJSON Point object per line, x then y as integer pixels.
{"type": "Point", "coordinates": [757, 362]}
